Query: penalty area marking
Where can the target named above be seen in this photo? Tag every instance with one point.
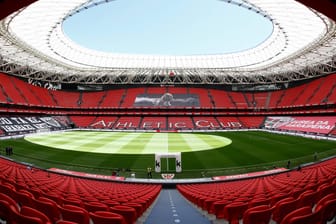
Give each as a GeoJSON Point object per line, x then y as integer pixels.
{"type": "Point", "coordinates": [129, 142]}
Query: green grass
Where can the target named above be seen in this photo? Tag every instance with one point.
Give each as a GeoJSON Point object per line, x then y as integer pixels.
{"type": "Point", "coordinates": [249, 151]}
{"type": "Point", "coordinates": [129, 142]}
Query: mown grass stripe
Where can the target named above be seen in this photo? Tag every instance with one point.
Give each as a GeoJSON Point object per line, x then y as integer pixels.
{"type": "Point", "coordinates": [213, 141]}
{"type": "Point", "coordinates": [117, 145]}
{"type": "Point", "coordinates": [81, 142]}
{"type": "Point", "coordinates": [137, 144]}
{"type": "Point", "coordinates": [86, 143]}
{"type": "Point", "coordinates": [157, 143]}
{"type": "Point", "coordinates": [177, 143]}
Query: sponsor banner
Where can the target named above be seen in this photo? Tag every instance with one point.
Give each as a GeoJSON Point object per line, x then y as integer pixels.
{"type": "Point", "coordinates": [321, 125]}
{"type": "Point", "coordinates": [13, 125]}
{"type": "Point", "coordinates": [88, 175]}
{"type": "Point", "coordinates": [167, 100]}
{"type": "Point", "coordinates": [247, 175]}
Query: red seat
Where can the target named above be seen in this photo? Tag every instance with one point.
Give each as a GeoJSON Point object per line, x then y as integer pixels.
{"type": "Point", "coordinates": [323, 200]}
{"type": "Point", "coordinates": [259, 201]}
{"type": "Point", "coordinates": [127, 212]}
{"type": "Point", "coordinates": [258, 215]}
{"type": "Point", "coordinates": [296, 213]}
{"type": "Point", "coordinates": [66, 222]}
{"type": "Point", "coordinates": [36, 192]}
{"type": "Point", "coordinates": [94, 206]}
{"type": "Point", "coordinates": [327, 210]}
{"type": "Point", "coordinates": [24, 199]}
{"type": "Point", "coordinates": [47, 200]}
{"type": "Point", "coordinates": [283, 207]}
{"type": "Point", "coordinates": [72, 201]}
{"type": "Point", "coordinates": [75, 214]}
{"type": "Point", "coordinates": [9, 200]}
{"type": "Point", "coordinates": [201, 201]}
{"type": "Point", "coordinates": [234, 211]}
{"type": "Point", "coordinates": [103, 217]}
{"type": "Point", "coordinates": [20, 218]}
{"type": "Point", "coordinates": [138, 207]}
{"type": "Point", "coordinates": [55, 197]}
{"type": "Point", "coordinates": [324, 190]}
{"type": "Point", "coordinates": [111, 203]}
{"type": "Point", "coordinates": [312, 218]}
{"type": "Point", "coordinates": [145, 203]}
{"type": "Point", "coordinates": [29, 215]}
{"type": "Point", "coordinates": [34, 213]}
{"type": "Point", "coordinates": [218, 208]}
{"type": "Point", "coordinates": [5, 211]}
{"type": "Point", "coordinates": [296, 192]}
{"type": "Point", "coordinates": [278, 197]}
{"type": "Point", "coordinates": [26, 192]}
{"type": "Point", "coordinates": [49, 208]}
{"type": "Point", "coordinates": [208, 203]}
{"type": "Point", "coordinates": [7, 189]}
{"type": "Point", "coordinates": [307, 198]}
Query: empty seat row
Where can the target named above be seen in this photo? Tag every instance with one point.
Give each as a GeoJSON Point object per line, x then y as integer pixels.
{"type": "Point", "coordinates": [54, 195]}
{"type": "Point", "coordinates": [281, 193]}
{"type": "Point", "coordinates": [317, 92]}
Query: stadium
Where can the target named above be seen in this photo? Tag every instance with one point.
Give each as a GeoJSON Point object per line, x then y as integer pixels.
{"type": "Point", "coordinates": [89, 136]}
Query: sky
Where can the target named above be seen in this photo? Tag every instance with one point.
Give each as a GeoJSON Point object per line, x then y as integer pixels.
{"type": "Point", "coordinates": [168, 27]}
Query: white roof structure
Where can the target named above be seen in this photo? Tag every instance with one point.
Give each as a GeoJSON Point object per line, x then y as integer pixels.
{"type": "Point", "coordinates": [301, 39]}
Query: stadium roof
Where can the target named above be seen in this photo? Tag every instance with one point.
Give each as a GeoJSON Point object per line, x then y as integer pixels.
{"type": "Point", "coordinates": [302, 45]}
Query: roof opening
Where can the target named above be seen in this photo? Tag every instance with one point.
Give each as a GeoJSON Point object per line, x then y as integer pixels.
{"type": "Point", "coordinates": [174, 27]}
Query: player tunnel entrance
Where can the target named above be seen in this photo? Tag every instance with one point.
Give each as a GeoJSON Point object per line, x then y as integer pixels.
{"type": "Point", "coordinates": [164, 161]}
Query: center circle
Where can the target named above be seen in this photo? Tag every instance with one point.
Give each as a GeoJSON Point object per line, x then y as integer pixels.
{"type": "Point", "coordinates": [129, 142]}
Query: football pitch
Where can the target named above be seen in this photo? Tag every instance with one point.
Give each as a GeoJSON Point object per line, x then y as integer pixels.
{"type": "Point", "coordinates": [129, 142]}
{"type": "Point", "coordinates": [203, 154]}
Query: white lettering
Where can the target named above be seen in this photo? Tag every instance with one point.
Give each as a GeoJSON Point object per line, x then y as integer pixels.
{"type": "Point", "coordinates": [110, 124]}
{"type": "Point", "coordinates": [41, 126]}
{"type": "Point", "coordinates": [33, 120]}
{"type": "Point", "coordinates": [15, 128]}
{"type": "Point", "coordinates": [180, 125]}
{"type": "Point", "coordinates": [4, 120]}
{"type": "Point", "coordinates": [99, 123]}
{"type": "Point", "coordinates": [147, 124]}
{"type": "Point", "coordinates": [202, 124]}
{"type": "Point", "coordinates": [124, 125]}
{"type": "Point", "coordinates": [19, 120]}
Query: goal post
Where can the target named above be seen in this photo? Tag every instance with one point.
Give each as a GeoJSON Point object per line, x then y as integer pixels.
{"type": "Point", "coordinates": [176, 155]}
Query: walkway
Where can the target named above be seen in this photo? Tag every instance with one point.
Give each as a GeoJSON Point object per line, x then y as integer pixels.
{"type": "Point", "coordinates": [172, 208]}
